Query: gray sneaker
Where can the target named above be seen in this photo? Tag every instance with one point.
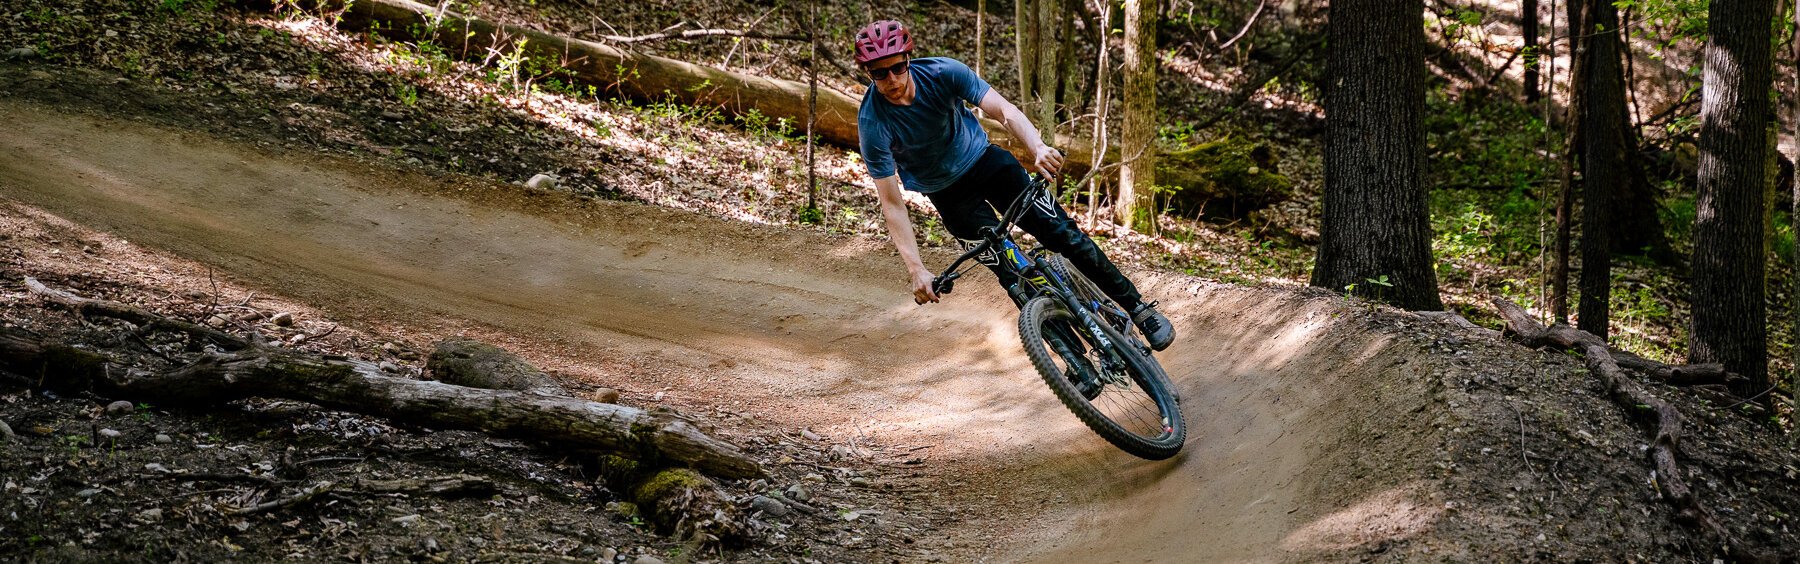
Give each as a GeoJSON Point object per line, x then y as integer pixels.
{"type": "Point", "coordinates": [1156, 328]}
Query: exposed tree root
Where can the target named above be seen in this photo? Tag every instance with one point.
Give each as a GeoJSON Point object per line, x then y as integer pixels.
{"type": "Point", "coordinates": [1663, 420]}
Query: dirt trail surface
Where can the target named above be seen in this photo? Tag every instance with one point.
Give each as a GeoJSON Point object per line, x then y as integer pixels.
{"type": "Point", "coordinates": [1311, 429]}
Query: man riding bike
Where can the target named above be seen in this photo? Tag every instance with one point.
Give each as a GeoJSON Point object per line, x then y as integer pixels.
{"type": "Point", "coordinates": [915, 131]}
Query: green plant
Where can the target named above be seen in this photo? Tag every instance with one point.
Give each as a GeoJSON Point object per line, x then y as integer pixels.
{"type": "Point", "coordinates": [407, 93]}
{"type": "Point", "coordinates": [811, 215]}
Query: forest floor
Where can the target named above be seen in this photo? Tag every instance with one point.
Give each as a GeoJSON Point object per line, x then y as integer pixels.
{"type": "Point", "coordinates": [1472, 446]}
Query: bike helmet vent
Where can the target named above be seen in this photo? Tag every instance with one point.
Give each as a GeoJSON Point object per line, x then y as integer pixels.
{"type": "Point", "coordinates": [881, 39]}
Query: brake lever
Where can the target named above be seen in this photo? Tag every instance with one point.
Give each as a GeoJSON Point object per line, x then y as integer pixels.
{"type": "Point", "coordinates": [943, 284]}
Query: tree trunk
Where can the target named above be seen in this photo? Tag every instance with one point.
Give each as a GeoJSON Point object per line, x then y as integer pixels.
{"type": "Point", "coordinates": [1605, 173]}
{"type": "Point", "coordinates": [1102, 74]}
{"type": "Point", "coordinates": [1067, 96]}
{"type": "Point", "coordinates": [362, 388]}
{"type": "Point", "coordinates": [1049, 83]}
{"type": "Point", "coordinates": [1728, 322]}
{"type": "Point", "coordinates": [1025, 48]}
{"type": "Point", "coordinates": [1375, 222]}
{"type": "Point", "coordinates": [1528, 13]}
{"type": "Point", "coordinates": [1565, 202]}
{"type": "Point", "coordinates": [1136, 205]}
{"type": "Point", "coordinates": [1794, 304]}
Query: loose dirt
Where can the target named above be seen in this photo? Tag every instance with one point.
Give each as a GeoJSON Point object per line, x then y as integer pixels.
{"type": "Point", "coordinates": [1320, 429]}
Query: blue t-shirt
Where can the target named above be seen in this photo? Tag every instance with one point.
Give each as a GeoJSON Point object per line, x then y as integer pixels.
{"type": "Point", "coordinates": [933, 141]}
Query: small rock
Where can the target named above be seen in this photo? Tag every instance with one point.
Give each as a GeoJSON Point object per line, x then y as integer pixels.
{"type": "Point", "coordinates": [390, 348]}
{"type": "Point", "coordinates": [21, 53]}
{"type": "Point", "coordinates": [604, 395]}
{"type": "Point", "coordinates": [389, 367]}
{"type": "Point", "coordinates": [120, 407]}
{"type": "Point", "coordinates": [283, 319]}
{"type": "Point", "coordinates": [39, 75]}
{"type": "Point", "coordinates": [110, 433]}
{"type": "Point", "coordinates": [797, 493]}
{"type": "Point", "coordinates": [647, 559]}
{"type": "Point", "coordinates": [6, 432]}
{"type": "Point", "coordinates": [406, 520]}
{"type": "Point", "coordinates": [859, 481]}
{"type": "Point", "coordinates": [542, 182]}
{"type": "Point", "coordinates": [609, 554]}
{"type": "Point", "coordinates": [810, 435]}
{"type": "Point", "coordinates": [87, 493]}
{"type": "Point", "coordinates": [151, 514]}
{"type": "Point", "coordinates": [164, 439]}
{"type": "Point", "coordinates": [395, 116]}
{"type": "Point", "coordinates": [156, 467]}
{"type": "Point", "coordinates": [624, 509]}
{"type": "Point", "coordinates": [839, 451]}
{"type": "Point", "coordinates": [769, 506]}
{"type": "Point", "coordinates": [814, 477]}
{"type": "Point", "coordinates": [759, 485]}
{"type": "Point", "coordinates": [656, 396]}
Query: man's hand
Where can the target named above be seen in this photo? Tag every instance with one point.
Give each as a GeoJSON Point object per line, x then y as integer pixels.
{"type": "Point", "coordinates": [921, 287]}
{"type": "Point", "coordinates": [1046, 160]}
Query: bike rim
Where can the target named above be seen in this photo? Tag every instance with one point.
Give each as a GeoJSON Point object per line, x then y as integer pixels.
{"type": "Point", "coordinates": [1125, 398]}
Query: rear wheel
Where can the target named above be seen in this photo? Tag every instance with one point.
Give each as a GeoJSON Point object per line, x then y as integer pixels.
{"type": "Point", "coordinates": [1135, 407]}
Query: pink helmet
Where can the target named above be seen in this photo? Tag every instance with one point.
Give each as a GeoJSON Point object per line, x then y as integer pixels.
{"type": "Point", "coordinates": [881, 39]}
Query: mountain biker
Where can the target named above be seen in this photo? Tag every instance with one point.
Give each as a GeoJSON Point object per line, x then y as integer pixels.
{"type": "Point", "coordinates": [915, 131]}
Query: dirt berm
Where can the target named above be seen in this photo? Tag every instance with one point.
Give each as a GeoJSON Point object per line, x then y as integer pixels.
{"type": "Point", "coordinates": [1319, 429]}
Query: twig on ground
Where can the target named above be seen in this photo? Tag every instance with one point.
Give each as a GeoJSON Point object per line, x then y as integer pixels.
{"type": "Point", "coordinates": [305, 496]}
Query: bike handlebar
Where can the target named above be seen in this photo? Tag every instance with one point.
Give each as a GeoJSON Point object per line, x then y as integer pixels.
{"type": "Point", "coordinates": [990, 236]}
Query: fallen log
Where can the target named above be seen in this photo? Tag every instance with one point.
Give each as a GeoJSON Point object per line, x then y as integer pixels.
{"type": "Point", "coordinates": [1663, 420]}
{"type": "Point", "coordinates": [625, 73]}
{"type": "Point", "coordinates": [361, 387]}
{"type": "Point", "coordinates": [646, 77]}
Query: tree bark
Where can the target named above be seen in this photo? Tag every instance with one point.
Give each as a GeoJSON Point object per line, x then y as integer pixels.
{"type": "Point", "coordinates": [1375, 221]}
{"type": "Point", "coordinates": [362, 388]}
{"type": "Point", "coordinates": [1728, 324]}
{"type": "Point", "coordinates": [1573, 144]}
{"type": "Point", "coordinates": [1794, 303]}
{"type": "Point", "coordinates": [1605, 173]}
{"type": "Point", "coordinates": [1067, 96]}
{"type": "Point", "coordinates": [1025, 48]}
{"type": "Point", "coordinates": [1136, 205]}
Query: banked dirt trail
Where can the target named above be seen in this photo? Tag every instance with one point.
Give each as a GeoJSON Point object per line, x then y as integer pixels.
{"type": "Point", "coordinates": [800, 328]}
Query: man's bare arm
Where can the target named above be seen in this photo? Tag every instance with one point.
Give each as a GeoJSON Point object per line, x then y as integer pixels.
{"type": "Point", "coordinates": [900, 229]}
{"type": "Point", "coordinates": [1044, 159]}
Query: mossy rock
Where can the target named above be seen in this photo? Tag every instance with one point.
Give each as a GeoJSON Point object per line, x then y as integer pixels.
{"type": "Point", "coordinates": [684, 504]}
{"type": "Point", "coordinates": [1229, 177]}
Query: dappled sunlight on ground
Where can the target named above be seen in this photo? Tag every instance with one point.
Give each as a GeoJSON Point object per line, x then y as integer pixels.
{"type": "Point", "coordinates": [1392, 515]}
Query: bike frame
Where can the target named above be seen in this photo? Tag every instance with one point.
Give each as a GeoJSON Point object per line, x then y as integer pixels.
{"type": "Point", "coordinates": [1032, 269]}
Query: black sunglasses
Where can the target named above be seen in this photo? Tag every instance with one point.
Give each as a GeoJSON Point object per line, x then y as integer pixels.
{"type": "Point", "coordinates": [883, 72]}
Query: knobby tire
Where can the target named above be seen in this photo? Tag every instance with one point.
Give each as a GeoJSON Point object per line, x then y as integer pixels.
{"type": "Point", "coordinates": [1148, 376]}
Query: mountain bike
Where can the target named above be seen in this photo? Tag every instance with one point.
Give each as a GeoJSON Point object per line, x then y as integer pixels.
{"type": "Point", "coordinates": [1081, 342]}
